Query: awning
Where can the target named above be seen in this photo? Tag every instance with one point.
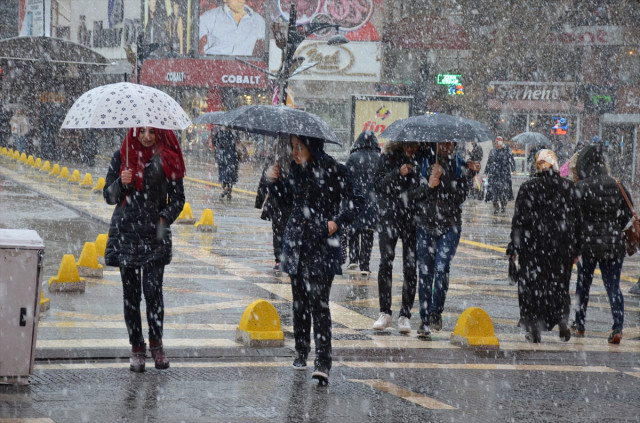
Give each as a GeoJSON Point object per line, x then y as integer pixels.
{"type": "Point", "coordinates": [53, 50]}
{"type": "Point", "coordinates": [427, 32]}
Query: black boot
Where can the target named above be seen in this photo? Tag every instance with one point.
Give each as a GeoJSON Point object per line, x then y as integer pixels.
{"type": "Point", "coordinates": [300, 362]}
{"type": "Point", "coordinates": [321, 374]}
{"type": "Point", "coordinates": [138, 356]}
{"type": "Point", "coordinates": [157, 352]}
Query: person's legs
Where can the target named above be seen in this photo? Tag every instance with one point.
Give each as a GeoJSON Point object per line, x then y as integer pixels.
{"type": "Point", "coordinates": [446, 247]}
{"type": "Point", "coordinates": [20, 143]}
{"type": "Point", "coordinates": [366, 245]}
{"type": "Point", "coordinates": [301, 315]}
{"type": "Point", "coordinates": [426, 261]}
{"type": "Point", "coordinates": [354, 247]}
{"type": "Point", "coordinates": [132, 295]}
{"type": "Point", "coordinates": [587, 269]}
{"type": "Point", "coordinates": [152, 276]}
{"type": "Point", "coordinates": [277, 226]}
{"type": "Point", "coordinates": [408, 235]}
{"type": "Point", "coordinates": [611, 278]}
{"type": "Point", "coordinates": [388, 239]}
{"type": "Point", "coordinates": [319, 301]}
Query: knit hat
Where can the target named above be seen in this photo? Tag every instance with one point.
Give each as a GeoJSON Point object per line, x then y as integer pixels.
{"type": "Point", "coordinates": [545, 160]}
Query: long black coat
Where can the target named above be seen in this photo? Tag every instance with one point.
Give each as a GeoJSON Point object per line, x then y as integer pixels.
{"type": "Point", "coordinates": [134, 238]}
{"type": "Point", "coordinates": [315, 192]}
{"type": "Point", "coordinates": [499, 166]}
{"type": "Point", "coordinates": [546, 236]}
{"type": "Point", "coordinates": [604, 209]}
{"type": "Point", "coordinates": [362, 163]}
{"type": "Point", "coordinates": [226, 156]}
{"type": "Point", "coordinates": [274, 206]}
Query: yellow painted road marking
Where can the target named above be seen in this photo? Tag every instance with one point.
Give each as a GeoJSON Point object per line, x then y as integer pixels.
{"type": "Point", "coordinates": [213, 184]}
{"type": "Point", "coordinates": [124, 343]}
{"type": "Point", "coordinates": [403, 393]}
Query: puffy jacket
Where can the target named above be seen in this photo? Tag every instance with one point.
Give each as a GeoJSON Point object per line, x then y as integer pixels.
{"type": "Point", "coordinates": [362, 163]}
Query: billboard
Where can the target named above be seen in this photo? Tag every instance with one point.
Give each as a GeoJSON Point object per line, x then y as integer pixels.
{"type": "Point", "coordinates": [232, 28]}
{"type": "Point", "coordinates": [376, 113]}
{"type": "Point", "coordinates": [168, 22]}
{"type": "Point", "coordinates": [35, 18]}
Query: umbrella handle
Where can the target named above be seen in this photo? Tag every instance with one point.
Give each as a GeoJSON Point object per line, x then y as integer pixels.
{"type": "Point", "coordinates": [126, 147]}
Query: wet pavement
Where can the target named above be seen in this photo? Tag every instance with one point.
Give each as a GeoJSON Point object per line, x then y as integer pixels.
{"type": "Point", "coordinates": [81, 371]}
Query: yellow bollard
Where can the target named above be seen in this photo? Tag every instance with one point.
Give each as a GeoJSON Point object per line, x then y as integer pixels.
{"type": "Point", "coordinates": [55, 170]}
{"type": "Point", "coordinates": [99, 185]}
{"type": "Point", "coordinates": [186, 215]}
{"type": "Point", "coordinates": [23, 158]}
{"type": "Point", "coordinates": [38, 163]}
{"type": "Point", "coordinates": [101, 244]}
{"type": "Point", "coordinates": [30, 160]}
{"type": "Point", "coordinates": [88, 265]}
{"type": "Point", "coordinates": [68, 278]}
{"type": "Point", "coordinates": [206, 222]}
{"type": "Point", "coordinates": [260, 326]}
{"type": "Point", "coordinates": [75, 177]}
{"type": "Point", "coordinates": [87, 182]}
{"type": "Point", "coordinates": [4, 151]}
{"type": "Point", "coordinates": [474, 329]}
{"type": "Point", "coordinates": [16, 155]}
{"type": "Point", "coordinates": [46, 166]}
{"type": "Point", "coordinates": [45, 303]}
{"type": "Point", "coordinates": [64, 173]}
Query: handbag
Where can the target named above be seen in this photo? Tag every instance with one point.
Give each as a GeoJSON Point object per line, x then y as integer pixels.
{"type": "Point", "coordinates": [632, 230]}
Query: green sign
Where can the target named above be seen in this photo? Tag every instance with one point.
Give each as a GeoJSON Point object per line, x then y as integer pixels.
{"type": "Point", "coordinates": [448, 79]}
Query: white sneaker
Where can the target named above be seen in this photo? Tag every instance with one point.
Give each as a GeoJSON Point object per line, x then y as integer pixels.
{"type": "Point", "coordinates": [352, 266]}
{"type": "Point", "coordinates": [383, 322]}
{"type": "Point", "coordinates": [404, 325]}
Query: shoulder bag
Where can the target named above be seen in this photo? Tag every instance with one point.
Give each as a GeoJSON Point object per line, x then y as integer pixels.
{"type": "Point", "coordinates": [632, 230]}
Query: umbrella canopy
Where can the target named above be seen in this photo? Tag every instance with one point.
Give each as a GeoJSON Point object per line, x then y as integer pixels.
{"type": "Point", "coordinates": [125, 105]}
{"type": "Point", "coordinates": [531, 138]}
{"type": "Point", "coordinates": [437, 128]}
{"type": "Point", "coordinates": [275, 120]}
{"type": "Point", "coordinates": [207, 118]}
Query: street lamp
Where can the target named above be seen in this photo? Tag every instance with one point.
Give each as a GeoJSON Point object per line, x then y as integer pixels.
{"type": "Point", "coordinates": [294, 38]}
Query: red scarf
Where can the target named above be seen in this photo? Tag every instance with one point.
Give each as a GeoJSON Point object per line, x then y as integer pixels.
{"type": "Point", "coordinates": [167, 146]}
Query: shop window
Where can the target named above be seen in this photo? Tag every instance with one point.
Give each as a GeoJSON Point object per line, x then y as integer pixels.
{"type": "Point", "coordinates": [629, 71]}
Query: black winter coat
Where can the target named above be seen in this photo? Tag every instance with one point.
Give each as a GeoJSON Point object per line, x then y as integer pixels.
{"type": "Point", "coordinates": [605, 211]}
{"type": "Point", "coordinates": [274, 206]}
{"type": "Point", "coordinates": [440, 209]}
{"type": "Point", "coordinates": [396, 207]}
{"type": "Point", "coordinates": [226, 156]}
{"type": "Point", "coordinates": [546, 236]}
{"type": "Point", "coordinates": [499, 166]}
{"type": "Point", "coordinates": [362, 164]}
{"type": "Point", "coordinates": [134, 236]}
{"type": "Point", "coordinates": [315, 193]}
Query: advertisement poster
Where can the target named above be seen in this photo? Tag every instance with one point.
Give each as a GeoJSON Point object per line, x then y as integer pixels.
{"type": "Point", "coordinates": [35, 18]}
{"type": "Point", "coordinates": [376, 113]}
{"type": "Point", "coordinates": [168, 22]}
{"type": "Point", "coordinates": [232, 28]}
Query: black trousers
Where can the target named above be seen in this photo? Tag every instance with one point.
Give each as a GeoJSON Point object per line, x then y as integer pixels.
{"type": "Point", "coordinates": [388, 238]}
{"type": "Point", "coordinates": [360, 246]}
{"type": "Point", "coordinates": [136, 281]}
{"type": "Point", "coordinates": [277, 227]}
{"type": "Point", "coordinates": [311, 302]}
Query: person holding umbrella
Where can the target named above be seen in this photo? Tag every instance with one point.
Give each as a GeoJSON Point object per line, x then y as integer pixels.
{"type": "Point", "coordinates": [500, 165]}
{"type": "Point", "coordinates": [226, 156]}
{"type": "Point", "coordinates": [144, 181]}
{"type": "Point", "coordinates": [315, 188]}
{"type": "Point", "coordinates": [445, 181]}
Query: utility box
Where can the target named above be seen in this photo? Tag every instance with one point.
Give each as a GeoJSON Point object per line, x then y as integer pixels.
{"type": "Point", "coordinates": [21, 253]}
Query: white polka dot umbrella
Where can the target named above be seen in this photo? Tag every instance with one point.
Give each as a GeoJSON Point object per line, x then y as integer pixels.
{"type": "Point", "coordinates": [125, 105]}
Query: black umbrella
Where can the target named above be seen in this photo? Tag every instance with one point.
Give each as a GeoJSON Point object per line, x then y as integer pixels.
{"type": "Point", "coordinates": [273, 121]}
{"type": "Point", "coordinates": [532, 138]}
{"type": "Point", "coordinates": [438, 127]}
{"type": "Point", "coordinates": [207, 117]}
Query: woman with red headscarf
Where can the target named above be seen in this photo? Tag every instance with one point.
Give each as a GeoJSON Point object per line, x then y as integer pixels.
{"type": "Point", "coordinates": [144, 181]}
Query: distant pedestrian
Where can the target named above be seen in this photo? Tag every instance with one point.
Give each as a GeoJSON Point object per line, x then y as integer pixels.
{"type": "Point", "coordinates": [476, 191]}
{"type": "Point", "coordinates": [545, 242]}
{"type": "Point", "coordinates": [5, 127]}
{"type": "Point", "coordinates": [144, 182]}
{"type": "Point", "coordinates": [397, 173]}
{"type": "Point", "coordinates": [500, 165]}
{"type": "Point", "coordinates": [445, 181]}
{"type": "Point", "coordinates": [605, 213]}
{"type": "Point", "coordinates": [226, 156]}
{"type": "Point", "coordinates": [362, 163]}
{"type": "Point", "coordinates": [315, 188]}
{"type": "Point", "coordinates": [19, 129]}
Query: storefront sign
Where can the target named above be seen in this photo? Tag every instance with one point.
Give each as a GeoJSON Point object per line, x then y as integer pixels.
{"type": "Point", "coordinates": [202, 73]}
{"type": "Point", "coordinates": [581, 35]}
{"type": "Point", "coordinates": [376, 113]}
{"type": "Point", "coordinates": [551, 96]}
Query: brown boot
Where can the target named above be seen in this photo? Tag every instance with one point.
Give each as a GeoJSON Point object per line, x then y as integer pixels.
{"type": "Point", "coordinates": [162, 362]}
{"type": "Point", "coordinates": [138, 356]}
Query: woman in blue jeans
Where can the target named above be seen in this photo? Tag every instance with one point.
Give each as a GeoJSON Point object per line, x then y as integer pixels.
{"type": "Point", "coordinates": [444, 184]}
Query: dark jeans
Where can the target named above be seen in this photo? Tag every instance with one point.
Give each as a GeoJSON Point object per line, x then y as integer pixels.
{"type": "Point", "coordinates": [311, 301]}
{"type": "Point", "coordinates": [277, 228]}
{"type": "Point", "coordinates": [434, 258]}
{"type": "Point", "coordinates": [147, 280]}
{"type": "Point", "coordinates": [388, 238]}
{"type": "Point", "coordinates": [360, 246]}
{"type": "Point", "coordinates": [610, 270]}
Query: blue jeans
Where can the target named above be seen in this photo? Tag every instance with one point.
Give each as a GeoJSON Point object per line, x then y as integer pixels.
{"type": "Point", "coordinates": [434, 258]}
{"type": "Point", "coordinates": [611, 278]}
{"type": "Point", "coordinates": [20, 143]}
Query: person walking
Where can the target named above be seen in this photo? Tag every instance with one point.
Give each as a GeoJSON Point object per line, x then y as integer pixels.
{"type": "Point", "coordinates": [445, 181]}
{"type": "Point", "coordinates": [362, 163]}
{"type": "Point", "coordinates": [19, 129]}
{"type": "Point", "coordinates": [396, 174]}
{"type": "Point", "coordinates": [226, 156]}
{"type": "Point", "coordinates": [605, 213]}
{"type": "Point", "coordinates": [145, 182]}
{"type": "Point", "coordinates": [545, 242]}
{"type": "Point", "coordinates": [315, 188]}
{"type": "Point", "coordinates": [500, 165]}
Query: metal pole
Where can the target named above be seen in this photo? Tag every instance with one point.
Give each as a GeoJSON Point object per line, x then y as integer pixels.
{"type": "Point", "coordinates": [290, 48]}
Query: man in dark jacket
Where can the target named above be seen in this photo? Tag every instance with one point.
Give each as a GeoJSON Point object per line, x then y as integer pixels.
{"type": "Point", "coordinates": [500, 164]}
{"type": "Point", "coordinates": [396, 175]}
{"type": "Point", "coordinates": [226, 156]}
{"type": "Point", "coordinates": [444, 183]}
{"type": "Point", "coordinates": [362, 164]}
{"type": "Point", "coordinates": [605, 214]}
